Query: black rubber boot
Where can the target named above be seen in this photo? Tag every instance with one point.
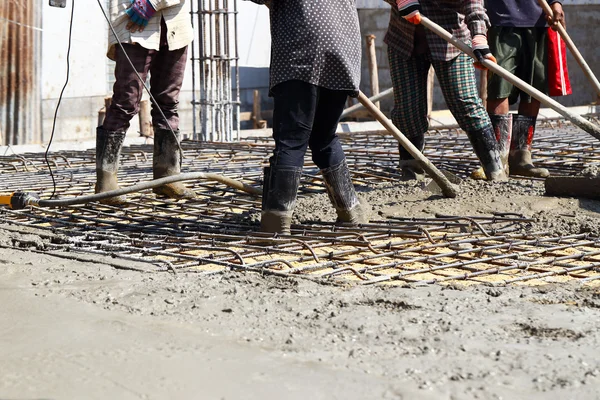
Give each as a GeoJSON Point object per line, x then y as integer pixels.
{"type": "Point", "coordinates": [486, 148]}
{"type": "Point", "coordinates": [520, 150]}
{"type": "Point", "coordinates": [167, 162]}
{"type": "Point", "coordinates": [280, 189]}
{"type": "Point", "coordinates": [342, 194]}
{"type": "Point", "coordinates": [108, 153]}
{"type": "Point", "coordinates": [503, 125]}
{"type": "Point", "coordinates": [411, 169]}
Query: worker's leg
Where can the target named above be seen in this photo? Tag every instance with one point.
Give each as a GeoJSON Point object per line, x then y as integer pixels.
{"type": "Point", "coordinates": [534, 73]}
{"type": "Point", "coordinates": [166, 77]}
{"type": "Point", "coordinates": [127, 92]}
{"type": "Point", "coordinates": [457, 81]}
{"type": "Point", "coordinates": [409, 79]}
{"type": "Point", "coordinates": [328, 155]}
{"type": "Point", "coordinates": [506, 45]}
{"type": "Point", "coordinates": [295, 103]}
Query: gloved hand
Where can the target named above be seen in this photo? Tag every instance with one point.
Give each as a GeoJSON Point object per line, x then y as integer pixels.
{"type": "Point", "coordinates": [410, 10]}
{"type": "Point", "coordinates": [482, 51]}
{"type": "Point", "coordinates": [140, 12]}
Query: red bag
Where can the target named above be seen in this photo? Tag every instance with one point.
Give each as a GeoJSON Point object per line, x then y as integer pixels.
{"type": "Point", "coordinates": [558, 75]}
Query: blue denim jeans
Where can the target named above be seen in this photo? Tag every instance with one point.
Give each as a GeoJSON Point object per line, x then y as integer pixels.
{"type": "Point", "coordinates": [305, 116]}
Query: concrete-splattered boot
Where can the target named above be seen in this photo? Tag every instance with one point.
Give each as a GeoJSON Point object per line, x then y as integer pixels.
{"type": "Point", "coordinates": [502, 124]}
{"type": "Point", "coordinates": [280, 189]}
{"type": "Point", "coordinates": [411, 169]}
{"type": "Point", "coordinates": [487, 150]}
{"type": "Point", "coordinates": [108, 153]}
{"type": "Point", "coordinates": [520, 149]}
{"type": "Point", "coordinates": [166, 162]}
{"type": "Point", "coordinates": [342, 194]}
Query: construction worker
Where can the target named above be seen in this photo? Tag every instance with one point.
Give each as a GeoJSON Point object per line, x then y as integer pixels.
{"type": "Point", "coordinates": [412, 50]}
{"type": "Point", "coordinates": [155, 35]}
{"type": "Point", "coordinates": [518, 38]}
{"type": "Point", "coordinates": [315, 65]}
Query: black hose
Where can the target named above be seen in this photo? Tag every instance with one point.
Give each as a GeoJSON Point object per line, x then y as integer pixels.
{"type": "Point", "coordinates": [147, 185]}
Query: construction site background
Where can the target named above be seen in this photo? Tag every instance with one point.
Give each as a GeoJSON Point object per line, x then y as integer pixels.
{"type": "Point", "coordinates": [91, 72]}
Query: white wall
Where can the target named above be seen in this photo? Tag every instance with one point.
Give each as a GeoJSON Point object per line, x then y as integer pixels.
{"type": "Point", "coordinates": [88, 60]}
{"type": "Point", "coordinates": [254, 35]}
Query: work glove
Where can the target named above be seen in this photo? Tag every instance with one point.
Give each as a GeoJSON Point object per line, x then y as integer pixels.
{"type": "Point", "coordinates": [482, 51]}
{"type": "Point", "coordinates": [140, 12]}
{"type": "Point", "coordinates": [410, 10]}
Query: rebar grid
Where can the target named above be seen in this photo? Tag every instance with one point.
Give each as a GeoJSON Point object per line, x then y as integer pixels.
{"type": "Point", "coordinates": [218, 231]}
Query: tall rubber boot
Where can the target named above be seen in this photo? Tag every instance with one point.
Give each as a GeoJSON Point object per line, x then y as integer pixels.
{"type": "Point", "coordinates": [486, 148]}
{"type": "Point", "coordinates": [280, 189]}
{"type": "Point", "coordinates": [411, 169]}
{"type": "Point", "coordinates": [502, 125]}
{"type": "Point", "coordinates": [342, 194]}
{"type": "Point", "coordinates": [520, 149]}
{"type": "Point", "coordinates": [108, 153]}
{"type": "Point", "coordinates": [167, 162]}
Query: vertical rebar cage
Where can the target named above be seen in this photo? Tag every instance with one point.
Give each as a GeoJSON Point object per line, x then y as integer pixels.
{"type": "Point", "coordinates": [215, 72]}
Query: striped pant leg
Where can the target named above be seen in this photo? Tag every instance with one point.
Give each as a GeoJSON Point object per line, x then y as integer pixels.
{"type": "Point", "coordinates": [458, 84]}
{"type": "Point", "coordinates": [409, 78]}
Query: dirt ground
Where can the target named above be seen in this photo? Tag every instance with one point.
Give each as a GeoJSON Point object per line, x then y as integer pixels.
{"type": "Point", "coordinates": [73, 330]}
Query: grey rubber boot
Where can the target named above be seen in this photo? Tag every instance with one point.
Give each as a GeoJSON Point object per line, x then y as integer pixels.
{"type": "Point", "coordinates": [503, 125]}
{"type": "Point", "coordinates": [342, 194]}
{"type": "Point", "coordinates": [167, 162]}
{"type": "Point", "coordinates": [520, 150]}
{"type": "Point", "coordinates": [411, 169]}
{"type": "Point", "coordinates": [280, 189]}
{"type": "Point", "coordinates": [487, 150]}
{"type": "Point", "coordinates": [108, 153]}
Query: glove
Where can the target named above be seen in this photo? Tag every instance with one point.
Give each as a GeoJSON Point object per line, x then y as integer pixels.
{"type": "Point", "coordinates": [410, 10]}
{"type": "Point", "coordinates": [482, 51]}
{"type": "Point", "coordinates": [140, 12]}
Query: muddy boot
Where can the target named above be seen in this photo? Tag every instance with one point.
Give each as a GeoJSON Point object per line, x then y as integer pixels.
{"type": "Point", "coordinates": [486, 148]}
{"type": "Point", "coordinates": [342, 194]}
{"type": "Point", "coordinates": [167, 162]}
{"type": "Point", "coordinates": [108, 153]}
{"type": "Point", "coordinates": [280, 189]}
{"type": "Point", "coordinates": [520, 149]}
{"type": "Point", "coordinates": [502, 124]}
{"type": "Point", "coordinates": [411, 169]}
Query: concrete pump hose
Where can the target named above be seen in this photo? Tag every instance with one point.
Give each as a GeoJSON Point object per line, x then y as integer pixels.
{"type": "Point", "coordinates": [190, 176]}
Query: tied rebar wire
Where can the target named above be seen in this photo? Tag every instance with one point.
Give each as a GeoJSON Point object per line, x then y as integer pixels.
{"type": "Point", "coordinates": [218, 231]}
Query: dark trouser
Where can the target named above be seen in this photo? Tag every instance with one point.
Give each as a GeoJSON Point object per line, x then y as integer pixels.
{"type": "Point", "coordinates": [522, 52]}
{"type": "Point", "coordinates": [304, 116]}
{"type": "Point", "coordinates": [166, 77]}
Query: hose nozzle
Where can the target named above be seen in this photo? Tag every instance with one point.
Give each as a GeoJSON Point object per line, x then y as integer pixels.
{"type": "Point", "coordinates": [20, 200]}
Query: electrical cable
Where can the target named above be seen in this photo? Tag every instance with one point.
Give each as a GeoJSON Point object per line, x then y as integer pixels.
{"type": "Point", "coordinates": [59, 101]}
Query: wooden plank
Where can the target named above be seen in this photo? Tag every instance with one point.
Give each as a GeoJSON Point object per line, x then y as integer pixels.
{"type": "Point", "coordinates": [573, 186]}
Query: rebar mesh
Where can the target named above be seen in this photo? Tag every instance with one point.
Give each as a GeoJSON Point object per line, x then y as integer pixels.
{"type": "Point", "coordinates": [218, 231]}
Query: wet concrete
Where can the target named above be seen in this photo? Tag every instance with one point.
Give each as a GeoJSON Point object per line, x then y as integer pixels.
{"type": "Point", "coordinates": [73, 330]}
